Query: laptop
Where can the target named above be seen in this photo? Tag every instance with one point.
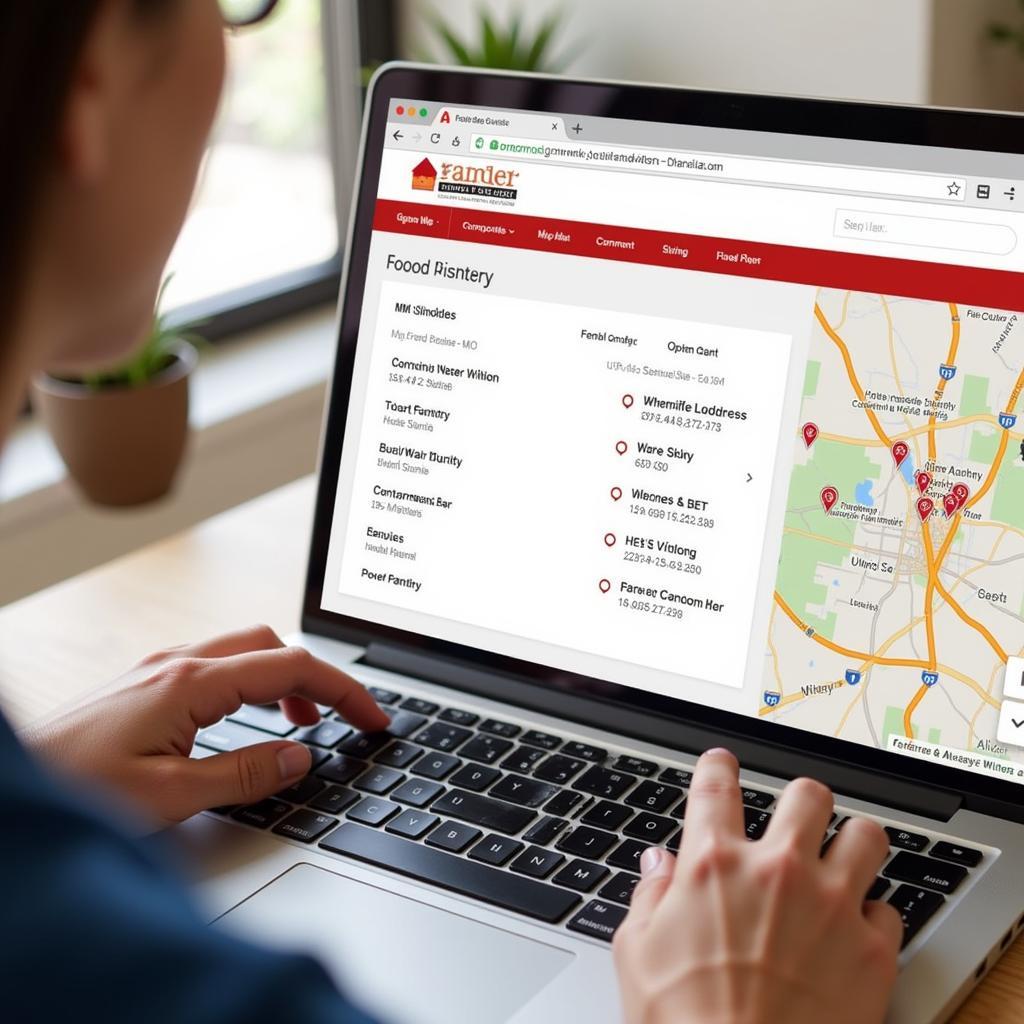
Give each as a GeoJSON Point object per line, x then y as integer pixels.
{"type": "Point", "coordinates": [661, 419]}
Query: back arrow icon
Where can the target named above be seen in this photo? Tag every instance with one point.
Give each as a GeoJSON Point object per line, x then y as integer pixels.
{"type": "Point", "coordinates": [397, 136]}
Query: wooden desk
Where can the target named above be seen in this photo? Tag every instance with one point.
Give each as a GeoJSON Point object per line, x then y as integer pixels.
{"type": "Point", "coordinates": [246, 565]}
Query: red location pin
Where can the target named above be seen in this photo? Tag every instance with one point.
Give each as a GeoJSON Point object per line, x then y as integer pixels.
{"type": "Point", "coordinates": [810, 433]}
{"type": "Point", "coordinates": [961, 492]}
{"type": "Point", "coordinates": [900, 450]}
{"type": "Point", "coordinates": [924, 481]}
{"type": "Point", "coordinates": [627, 400]}
{"type": "Point", "coordinates": [925, 507]}
{"type": "Point", "coordinates": [829, 496]}
{"type": "Point", "coordinates": [609, 539]}
{"type": "Point", "coordinates": [621, 447]}
{"type": "Point", "coordinates": [616, 493]}
{"type": "Point", "coordinates": [949, 503]}
{"type": "Point", "coordinates": [605, 586]}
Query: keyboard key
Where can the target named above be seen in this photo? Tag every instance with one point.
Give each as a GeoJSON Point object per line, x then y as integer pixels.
{"type": "Point", "coordinates": [435, 766]}
{"type": "Point", "coordinates": [442, 736]}
{"type": "Point", "coordinates": [400, 754]}
{"type": "Point", "coordinates": [656, 797]}
{"type": "Point", "coordinates": [926, 871]}
{"type": "Point", "coordinates": [482, 810]}
{"type": "Point", "coordinates": [604, 782]}
{"type": "Point", "coordinates": [417, 792]}
{"type": "Point", "coordinates": [956, 853]}
{"type": "Point", "coordinates": [755, 822]}
{"type": "Point", "coordinates": [754, 798]}
{"type": "Point", "coordinates": [456, 874]}
{"type": "Point", "coordinates": [317, 756]}
{"type": "Point", "coordinates": [305, 825]}
{"type": "Point", "coordinates": [523, 759]}
{"type": "Point", "coordinates": [619, 888]}
{"type": "Point", "coordinates": [581, 875]}
{"type": "Point", "coordinates": [404, 723]}
{"type": "Point", "coordinates": [879, 887]}
{"type": "Point", "coordinates": [476, 777]}
{"type": "Point", "coordinates": [268, 717]}
{"type": "Point", "coordinates": [585, 751]}
{"type": "Point", "coordinates": [264, 813]}
{"type": "Point", "coordinates": [303, 791]}
{"type": "Point", "coordinates": [495, 850]}
{"type": "Point", "coordinates": [587, 842]}
{"type": "Point", "coordinates": [419, 706]}
{"type": "Point", "coordinates": [505, 729]}
{"type": "Point", "coordinates": [536, 863]}
{"type": "Point", "coordinates": [335, 799]}
{"type": "Point", "coordinates": [627, 856]}
{"type": "Point", "coordinates": [454, 836]}
{"type": "Point", "coordinates": [598, 919]}
{"type": "Point", "coordinates": [562, 803]}
{"type": "Point", "coordinates": [487, 749]}
{"type": "Point", "coordinates": [545, 831]}
{"type": "Point", "coordinates": [324, 734]}
{"type": "Point", "coordinates": [518, 789]}
{"type": "Point", "coordinates": [676, 777]}
{"type": "Point", "coordinates": [605, 814]}
{"type": "Point", "coordinates": [536, 738]}
{"type": "Point", "coordinates": [636, 765]}
{"type": "Point", "coordinates": [916, 907]}
{"type": "Point", "coordinates": [373, 810]}
{"type": "Point", "coordinates": [364, 744]}
{"type": "Point", "coordinates": [652, 828]}
{"type": "Point", "coordinates": [382, 696]}
{"type": "Point", "coordinates": [906, 840]}
{"type": "Point", "coordinates": [673, 844]}
{"type": "Point", "coordinates": [412, 824]}
{"type": "Point", "coordinates": [378, 779]}
{"type": "Point", "coordinates": [559, 769]}
{"type": "Point", "coordinates": [679, 811]}
{"type": "Point", "coordinates": [341, 769]}
{"type": "Point", "coordinates": [226, 736]}
{"type": "Point", "coordinates": [458, 717]}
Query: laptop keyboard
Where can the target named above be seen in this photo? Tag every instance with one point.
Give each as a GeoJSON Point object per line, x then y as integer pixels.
{"type": "Point", "coordinates": [524, 820]}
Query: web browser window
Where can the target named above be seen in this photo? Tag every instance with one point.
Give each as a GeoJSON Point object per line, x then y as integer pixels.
{"type": "Point", "coordinates": [665, 407]}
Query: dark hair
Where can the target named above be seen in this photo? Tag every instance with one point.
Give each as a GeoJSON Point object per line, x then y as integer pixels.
{"type": "Point", "coordinates": [40, 44]}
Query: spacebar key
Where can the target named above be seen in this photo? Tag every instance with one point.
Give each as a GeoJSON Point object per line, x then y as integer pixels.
{"type": "Point", "coordinates": [466, 877]}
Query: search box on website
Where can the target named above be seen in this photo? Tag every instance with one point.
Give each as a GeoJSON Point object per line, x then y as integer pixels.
{"type": "Point", "coordinates": [927, 232]}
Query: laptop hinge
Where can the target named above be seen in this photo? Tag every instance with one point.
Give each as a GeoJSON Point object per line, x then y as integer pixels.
{"type": "Point", "coordinates": [851, 780]}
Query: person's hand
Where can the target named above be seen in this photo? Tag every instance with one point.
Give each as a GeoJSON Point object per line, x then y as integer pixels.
{"type": "Point", "coordinates": [758, 932]}
{"type": "Point", "coordinates": [136, 739]}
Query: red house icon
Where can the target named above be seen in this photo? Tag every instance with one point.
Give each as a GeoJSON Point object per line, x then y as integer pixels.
{"type": "Point", "coordinates": [424, 175]}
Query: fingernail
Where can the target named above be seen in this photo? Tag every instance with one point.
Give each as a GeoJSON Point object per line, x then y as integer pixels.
{"type": "Point", "coordinates": [293, 760]}
{"type": "Point", "coordinates": [718, 750]}
{"type": "Point", "coordinates": [651, 860]}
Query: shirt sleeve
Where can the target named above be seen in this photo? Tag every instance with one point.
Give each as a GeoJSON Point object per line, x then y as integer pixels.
{"type": "Point", "coordinates": [95, 929]}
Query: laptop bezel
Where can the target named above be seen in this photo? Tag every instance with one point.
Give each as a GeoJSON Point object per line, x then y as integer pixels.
{"type": "Point", "coordinates": [869, 122]}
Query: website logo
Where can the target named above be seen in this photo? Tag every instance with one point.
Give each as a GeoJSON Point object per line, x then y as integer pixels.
{"type": "Point", "coordinates": [424, 176]}
{"type": "Point", "coordinates": [479, 181]}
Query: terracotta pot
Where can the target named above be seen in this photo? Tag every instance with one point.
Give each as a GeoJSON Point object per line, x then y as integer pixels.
{"type": "Point", "coordinates": [122, 445]}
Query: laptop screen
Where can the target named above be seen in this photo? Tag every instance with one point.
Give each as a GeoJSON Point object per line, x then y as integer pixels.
{"type": "Point", "coordinates": [720, 415]}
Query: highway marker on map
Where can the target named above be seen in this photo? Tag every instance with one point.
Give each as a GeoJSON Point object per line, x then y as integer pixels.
{"type": "Point", "coordinates": [829, 496]}
{"type": "Point", "coordinates": [853, 677]}
{"type": "Point", "coordinates": [929, 678]}
{"type": "Point", "coordinates": [1007, 420]}
{"type": "Point", "coordinates": [772, 698]}
{"type": "Point", "coordinates": [900, 450]}
{"type": "Point", "coordinates": [925, 507]}
{"type": "Point", "coordinates": [947, 372]}
{"type": "Point", "coordinates": [810, 433]}
{"type": "Point", "coordinates": [924, 481]}
{"type": "Point", "coordinates": [950, 504]}
{"type": "Point", "coordinates": [961, 492]}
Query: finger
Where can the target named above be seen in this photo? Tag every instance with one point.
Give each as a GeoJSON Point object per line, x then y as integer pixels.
{"type": "Point", "coordinates": [250, 638]}
{"type": "Point", "coordinates": [802, 816]}
{"type": "Point", "coordinates": [657, 866]}
{"type": "Point", "coordinates": [300, 711]}
{"type": "Point", "coordinates": [241, 776]}
{"type": "Point", "coordinates": [714, 807]}
{"type": "Point", "coordinates": [885, 918]}
{"type": "Point", "coordinates": [858, 851]}
{"type": "Point", "coordinates": [220, 686]}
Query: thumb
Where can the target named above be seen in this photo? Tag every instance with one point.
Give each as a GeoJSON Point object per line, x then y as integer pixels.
{"type": "Point", "coordinates": [657, 867]}
{"type": "Point", "coordinates": [244, 776]}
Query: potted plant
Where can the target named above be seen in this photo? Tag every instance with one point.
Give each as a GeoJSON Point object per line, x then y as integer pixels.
{"type": "Point", "coordinates": [121, 431]}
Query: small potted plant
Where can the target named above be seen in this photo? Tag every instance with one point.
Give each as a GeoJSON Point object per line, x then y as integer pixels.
{"type": "Point", "coordinates": [122, 431]}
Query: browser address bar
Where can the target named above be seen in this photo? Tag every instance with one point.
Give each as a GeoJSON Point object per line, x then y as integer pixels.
{"type": "Point", "coordinates": [727, 168]}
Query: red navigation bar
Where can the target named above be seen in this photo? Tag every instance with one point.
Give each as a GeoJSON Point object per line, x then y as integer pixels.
{"type": "Point", "coordinates": [823, 268]}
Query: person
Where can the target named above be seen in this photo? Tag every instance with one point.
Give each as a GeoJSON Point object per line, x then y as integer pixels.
{"type": "Point", "coordinates": [105, 107]}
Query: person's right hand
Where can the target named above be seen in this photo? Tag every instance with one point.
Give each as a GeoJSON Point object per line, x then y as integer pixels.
{"type": "Point", "coordinates": [759, 932]}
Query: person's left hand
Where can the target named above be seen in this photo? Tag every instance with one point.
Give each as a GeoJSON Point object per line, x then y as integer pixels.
{"type": "Point", "coordinates": [137, 738]}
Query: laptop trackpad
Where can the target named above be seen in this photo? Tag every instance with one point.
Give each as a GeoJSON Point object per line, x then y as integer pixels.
{"type": "Point", "coordinates": [405, 960]}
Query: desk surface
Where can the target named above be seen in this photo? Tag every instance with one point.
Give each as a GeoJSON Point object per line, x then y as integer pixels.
{"type": "Point", "coordinates": [59, 644]}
